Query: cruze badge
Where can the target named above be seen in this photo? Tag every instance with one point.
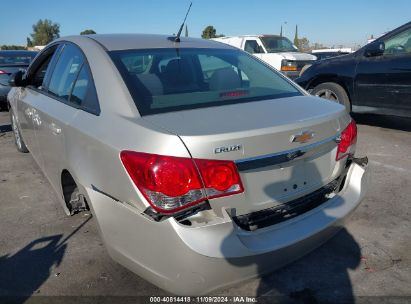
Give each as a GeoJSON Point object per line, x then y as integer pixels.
{"type": "Point", "coordinates": [302, 137]}
{"type": "Point", "coordinates": [228, 149]}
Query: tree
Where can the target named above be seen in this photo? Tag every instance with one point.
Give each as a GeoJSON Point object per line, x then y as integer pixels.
{"type": "Point", "coordinates": [12, 47]}
{"type": "Point", "coordinates": [296, 41]}
{"type": "Point", "coordinates": [209, 32]}
{"type": "Point", "coordinates": [88, 32]}
{"type": "Point", "coordinates": [44, 32]}
{"type": "Point", "coordinates": [319, 46]}
{"type": "Point", "coordinates": [29, 42]}
{"type": "Point", "coordinates": [303, 44]}
{"type": "Point", "coordinates": [186, 33]}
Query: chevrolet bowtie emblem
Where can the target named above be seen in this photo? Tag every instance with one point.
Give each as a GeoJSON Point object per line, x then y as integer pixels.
{"type": "Point", "coordinates": [302, 137]}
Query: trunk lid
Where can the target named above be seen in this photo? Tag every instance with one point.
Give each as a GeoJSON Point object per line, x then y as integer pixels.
{"type": "Point", "coordinates": [258, 137]}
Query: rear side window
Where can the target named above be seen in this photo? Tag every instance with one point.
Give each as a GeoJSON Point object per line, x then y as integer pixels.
{"type": "Point", "coordinates": [72, 81]}
{"type": "Point", "coordinates": [165, 80]}
{"type": "Point", "coordinates": [65, 72]}
{"type": "Point", "coordinates": [36, 74]}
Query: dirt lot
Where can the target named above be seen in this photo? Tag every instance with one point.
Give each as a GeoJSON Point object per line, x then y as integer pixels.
{"type": "Point", "coordinates": [44, 252]}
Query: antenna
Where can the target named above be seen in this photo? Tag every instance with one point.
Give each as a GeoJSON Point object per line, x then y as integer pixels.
{"type": "Point", "coordinates": [182, 25]}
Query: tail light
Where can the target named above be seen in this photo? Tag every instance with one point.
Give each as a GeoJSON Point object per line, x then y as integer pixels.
{"type": "Point", "coordinates": [171, 184]}
{"type": "Point", "coordinates": [348, 141]}
{"type": "Point", "coordinates": [2, 72]}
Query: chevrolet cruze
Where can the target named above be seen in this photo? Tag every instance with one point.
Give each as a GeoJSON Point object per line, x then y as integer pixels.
{"type": "Point", "coordinates": [203, 165]}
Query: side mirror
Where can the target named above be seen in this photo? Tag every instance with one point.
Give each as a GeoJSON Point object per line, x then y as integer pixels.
{"type": "Point", "coordinates": [16, 79]}
{"type": "Point", "coordinates": [374, 49]}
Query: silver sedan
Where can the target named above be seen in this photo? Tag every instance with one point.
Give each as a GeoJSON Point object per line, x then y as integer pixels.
{"type": "Point", "coordinates": [203, 165]}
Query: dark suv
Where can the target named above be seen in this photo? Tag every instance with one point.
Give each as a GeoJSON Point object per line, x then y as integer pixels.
{"type": "Point", "coordinates": [376, 78]}
{"type": "Point", "coordinates": [11, 62]}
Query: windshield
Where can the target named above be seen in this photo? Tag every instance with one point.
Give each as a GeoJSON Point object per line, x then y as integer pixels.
{"type": "Point", "coordinates": [16, 59]}
{"type": "Point", "coordinates": [275, 44]}
{"type": "Point", "coordinates": [165, 80]}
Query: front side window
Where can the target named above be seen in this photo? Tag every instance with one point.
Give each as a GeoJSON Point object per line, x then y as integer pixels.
{"type": "Point", "coordinates": [36, 74]}
{"type": "Point", "coordinates": [80, 87]}
{"type": "Point", "coordinates": [252, 47]}
{"type": "Point", "coordinates": [38, 78]}
{"type": "Point", "coordinates": [399, 44]}
{"type": "Point", "coordinates": [275, 44]}
{"type": "Point", "coordinates": [179, 79]}
{"type": "Point", "coordinates": [84, 92]}
{"type": "Point", "coordinates": [65, 72]}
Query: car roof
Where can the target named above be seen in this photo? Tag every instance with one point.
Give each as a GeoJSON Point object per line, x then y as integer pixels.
{"type": "Point", "coordinates": [112, 42]}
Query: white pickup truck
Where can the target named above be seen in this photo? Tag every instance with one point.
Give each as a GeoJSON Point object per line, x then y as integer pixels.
{"type": "Point", "coordinates": [277, 51]}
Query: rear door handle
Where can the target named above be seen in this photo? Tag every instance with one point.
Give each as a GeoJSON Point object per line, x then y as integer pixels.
{"type": "Point", "coordinates": [56, 130]}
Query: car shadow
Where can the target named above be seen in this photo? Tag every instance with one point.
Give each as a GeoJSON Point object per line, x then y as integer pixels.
{"type": "Point", "coordinates": [322, 275]}
{"type": "Point", "coordinates": [23, 273]}
{"type": "Point", "coordinates": [383, 121]}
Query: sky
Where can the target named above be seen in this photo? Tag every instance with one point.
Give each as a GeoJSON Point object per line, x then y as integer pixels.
{"type": "Point", "coordinates": [342, 22]}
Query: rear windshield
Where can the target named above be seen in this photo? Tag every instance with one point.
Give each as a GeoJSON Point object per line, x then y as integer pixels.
{"type": "Point", "coordinates": [10, 59]}
{"type": "Point", "coordinates": [166, 80]}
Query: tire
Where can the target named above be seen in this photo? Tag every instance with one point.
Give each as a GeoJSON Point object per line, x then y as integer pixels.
{"type": "Point", "coordinates": [18, 140]}
{"type": "Point", "coordinates": [334, 92]}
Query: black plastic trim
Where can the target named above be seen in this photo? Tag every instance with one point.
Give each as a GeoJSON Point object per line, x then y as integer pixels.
{"type": "Point", "coordinates": [283, 212]}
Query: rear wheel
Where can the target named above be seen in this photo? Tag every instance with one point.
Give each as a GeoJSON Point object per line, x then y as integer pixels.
{"type": "Point", "coordinates": [75, 201]}
{"type": "Point", "coordinates": [18, 140]}
{"type": "Point", "coordinates": [334, 92]}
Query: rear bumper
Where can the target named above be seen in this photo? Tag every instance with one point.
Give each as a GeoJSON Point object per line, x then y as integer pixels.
{"type": "Point", "coordinates": [196, 260]}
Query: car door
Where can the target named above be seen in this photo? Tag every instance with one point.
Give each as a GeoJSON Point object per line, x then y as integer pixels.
{"type": "Point", "coordinates": [31, 95]}
{"type": "Point", "coordinates": [56, 112]}
{"type": "Point", "coordinates": [385, 81]}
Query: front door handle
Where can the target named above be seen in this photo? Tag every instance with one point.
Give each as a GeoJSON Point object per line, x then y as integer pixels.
{"type": "Point", "coordinates": [55, 129]}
